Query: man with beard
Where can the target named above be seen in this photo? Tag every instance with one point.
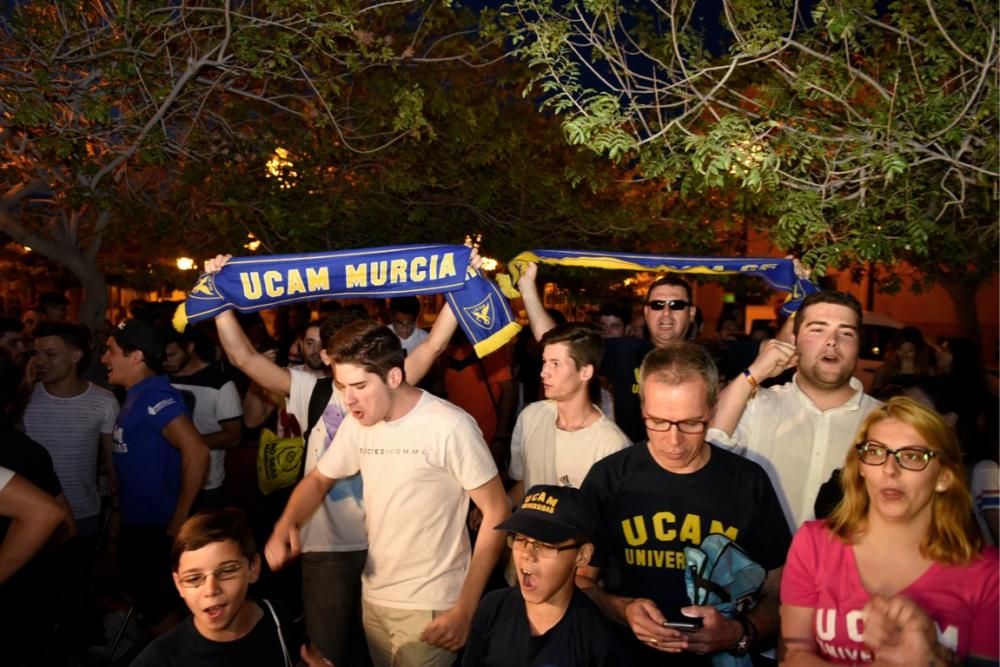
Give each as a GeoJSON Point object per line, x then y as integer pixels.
{"type": "Point", "coordinates": [800, 431]}
{"type": "Point", "coordinates": [312, 362]}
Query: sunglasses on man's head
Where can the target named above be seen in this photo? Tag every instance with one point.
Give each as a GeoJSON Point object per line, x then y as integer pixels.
{"type": "Point", "coordinates": [672, 304]}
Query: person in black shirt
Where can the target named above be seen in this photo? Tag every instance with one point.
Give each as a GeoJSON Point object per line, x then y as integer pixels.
{"type": "Point", "coordinates": [654, 498]}
{"type": "Point", "coordinates": [214, 563]}
{"type": "Point", "coordinates": [546, 621]}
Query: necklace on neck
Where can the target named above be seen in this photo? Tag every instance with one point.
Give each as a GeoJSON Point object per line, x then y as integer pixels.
{"type": "Point", "coordinates": [580, 425]}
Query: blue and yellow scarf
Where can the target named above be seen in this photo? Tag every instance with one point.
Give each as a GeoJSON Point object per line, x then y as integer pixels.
{"type": "Point", "coordinates": [248, 284]}
{"type": "Point", "coordinates": [778, 273]}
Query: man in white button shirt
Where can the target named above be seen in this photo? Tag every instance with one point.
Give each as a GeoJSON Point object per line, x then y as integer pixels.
{"type": "Point", "coordinates": [800, 431]}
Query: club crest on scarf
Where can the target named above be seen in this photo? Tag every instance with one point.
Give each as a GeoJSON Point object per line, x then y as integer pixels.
{"type": "Point", "coordinates": [248, 284]}
{"type": "Point", "coordinates": [205, 289]}
{"type": "Point", "coordinates": [482, 312]}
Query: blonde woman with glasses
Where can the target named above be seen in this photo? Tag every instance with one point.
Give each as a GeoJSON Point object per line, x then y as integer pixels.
{"type": "Point", "coordinates": [897, 575]}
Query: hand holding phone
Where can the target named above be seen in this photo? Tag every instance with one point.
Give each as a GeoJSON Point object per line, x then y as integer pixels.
{"type": "Point", "coordinates": [686, 625]}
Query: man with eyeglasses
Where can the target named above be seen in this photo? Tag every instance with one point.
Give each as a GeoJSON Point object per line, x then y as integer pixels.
{"type": "Point", "coordinates": [653, 499]}
{"type": "Point", "coordinates": [668, 311]}
{"type": "Point", "coordinates": [800, 431]}
{"type": "Point", "coordinates": [545, 619]}
{"type": "Point", "coordinates": [404, 311]}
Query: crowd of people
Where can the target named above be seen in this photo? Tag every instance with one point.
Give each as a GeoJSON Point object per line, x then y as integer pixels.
{"type": "Point", "coordinates": [549, 504]}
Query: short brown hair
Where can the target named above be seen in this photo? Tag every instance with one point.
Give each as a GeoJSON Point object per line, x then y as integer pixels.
{"type": "Point", "coordinates": [583, 341]}
{"type": "Point", "coordinates": [827, 296]}
{"type": "Point", "coordinates": [679, 362]}
{"type": "Point", "coordinates": [368, 344]}
{"type": "Point", "coordinates": [73, 335]}
{"type": "Point", "coordinates": [952, 539]}
{"type": "Point", "coordinates": [211, 526]}
{"type": "Point", "coordinates": [334, 322]}
{"type": "Point", "coordinates": [671, 280]}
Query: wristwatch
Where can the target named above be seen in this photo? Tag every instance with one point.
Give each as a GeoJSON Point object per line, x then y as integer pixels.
{"type": "Point", "coordinates": [742, 647]}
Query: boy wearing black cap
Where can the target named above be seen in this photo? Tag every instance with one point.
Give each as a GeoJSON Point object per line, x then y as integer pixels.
{"type": "Point", "coordinates": [546, 620]}
{"type": "Point", "coordinates": [160, 460]}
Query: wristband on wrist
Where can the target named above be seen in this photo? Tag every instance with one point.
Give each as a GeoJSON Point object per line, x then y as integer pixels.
{"type": "Point", "coordinates": [746, 641]}
{"type": "Point", "coordinates": [754, 385]}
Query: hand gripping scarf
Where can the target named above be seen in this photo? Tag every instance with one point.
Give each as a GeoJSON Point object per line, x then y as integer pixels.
{"type": "Point", "coordinates": [248, 284]}
{"type": "Point", "coordinates": [778, 273]}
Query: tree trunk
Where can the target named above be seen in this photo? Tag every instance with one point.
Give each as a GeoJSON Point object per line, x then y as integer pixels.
{"type": "Point", "coordinates": [963, 298]}
{"type": "Point", "coordinates": [65, 251]}
{"type": "Point", "coordinates": [93, 312]}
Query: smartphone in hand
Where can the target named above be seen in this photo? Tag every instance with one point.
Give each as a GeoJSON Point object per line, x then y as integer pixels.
{"type": "Point", "coordinates": [686, 625]}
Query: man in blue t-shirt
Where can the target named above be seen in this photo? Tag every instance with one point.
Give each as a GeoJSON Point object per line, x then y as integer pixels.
{"type": "Point", "coordinates": [161, 463]}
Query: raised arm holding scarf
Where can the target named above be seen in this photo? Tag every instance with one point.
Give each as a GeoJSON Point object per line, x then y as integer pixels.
{"type": "Point", "coordinates": [248, 284]}
{"type": "Point", "coordinates": [778, 273]}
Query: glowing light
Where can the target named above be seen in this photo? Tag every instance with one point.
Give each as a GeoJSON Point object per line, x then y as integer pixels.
{"type": "Point", "coordinates": [252, 244]}
{"type": "Point", "coordinates": [489, 264]}
{"type": "Point", "coordinates": [27, 249]}
{"type": "Point", "coordinates": [281, 168]}
{"type": "Point", "coordinates": [185, 263]}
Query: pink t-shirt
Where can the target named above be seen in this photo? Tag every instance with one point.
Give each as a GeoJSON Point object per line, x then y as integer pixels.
{"type": "Point", "coordinates": [963, 601]}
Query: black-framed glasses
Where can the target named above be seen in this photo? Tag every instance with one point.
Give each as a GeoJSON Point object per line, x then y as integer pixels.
{"type": "Point", "coordinates": [909, 458]}
{"type": "Point", "coordinates": [686, 426]}
{"type": "Point", "coordinates": [519, 543]}
{"type": "Point", "coordinates": [227, 571]}
{"type": "Point", "coordinates": [672, 304]}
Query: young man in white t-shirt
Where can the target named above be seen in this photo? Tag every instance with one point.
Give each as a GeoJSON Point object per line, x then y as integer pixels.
{"type": "Point", "coordinates": [555, 441]}
{"type": "Point", "coordinates": [421, 459]}
{"type": "Point", "coordinates": [73, 419]}
{"type": "Point", "coordinates": [334, 539]}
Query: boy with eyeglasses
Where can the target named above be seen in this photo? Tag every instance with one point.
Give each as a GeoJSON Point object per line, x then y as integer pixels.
{"type": "Point", "coordinates": [545, 620]}
{"type": "Point", "coordinates": [214, 563]}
